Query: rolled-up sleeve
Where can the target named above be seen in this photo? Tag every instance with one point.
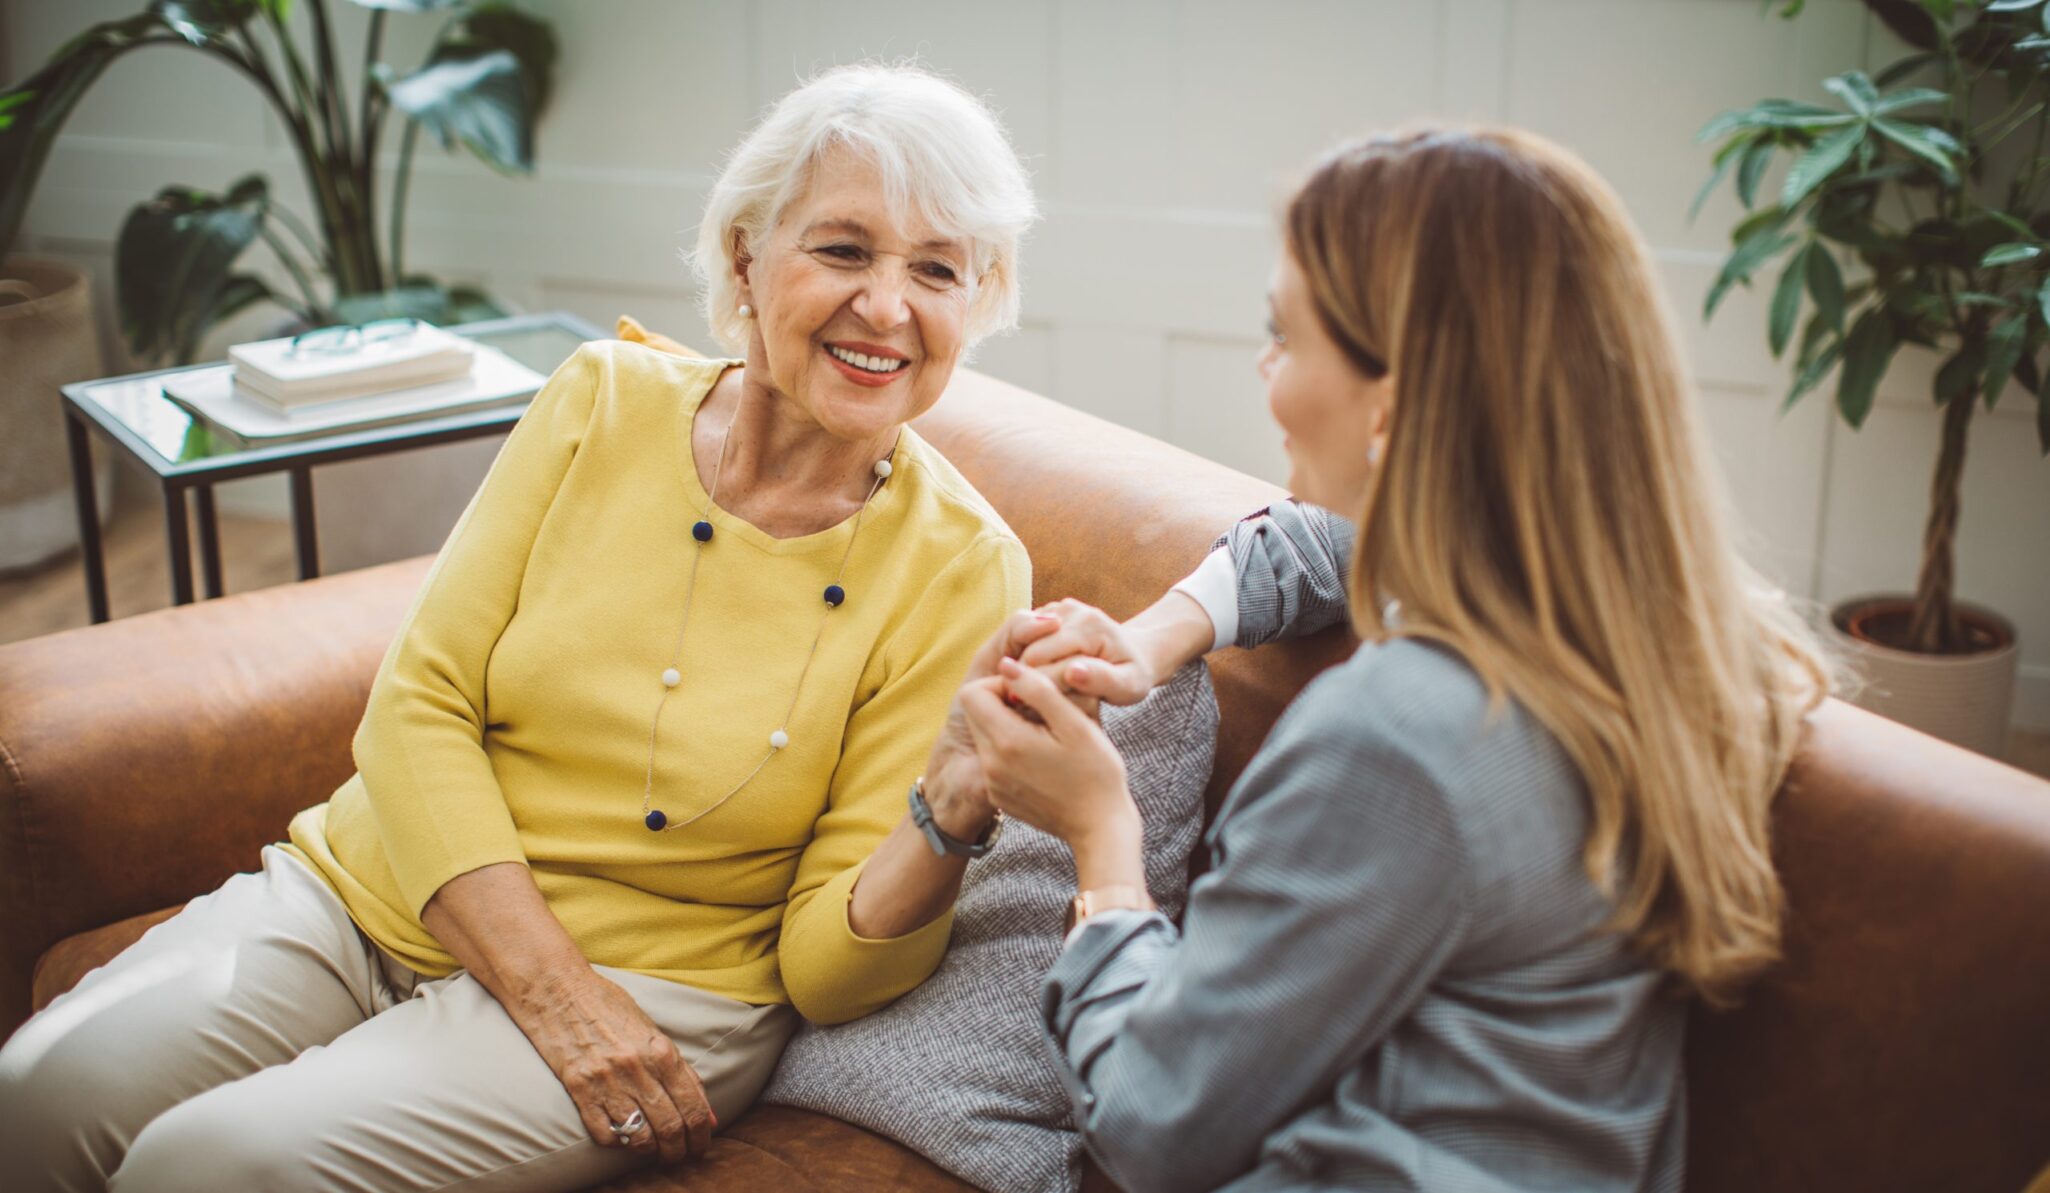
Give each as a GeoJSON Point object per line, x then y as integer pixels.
{"type": "Point", "coordinates": [831, 974]}
{"type": "Point", "coordinates": [1291, 561]}
{"type": "Point", "coordinates": [1338, 893]}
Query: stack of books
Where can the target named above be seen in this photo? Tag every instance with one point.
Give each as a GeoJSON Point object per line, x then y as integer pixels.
{"type": "Point", "coordinates": [270, 392]}
{"type": "Point", "coordinates": [286, 375]}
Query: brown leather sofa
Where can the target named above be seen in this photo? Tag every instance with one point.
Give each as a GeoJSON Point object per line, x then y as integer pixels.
{"type": "Point", "coordinates": [1904, 1044]}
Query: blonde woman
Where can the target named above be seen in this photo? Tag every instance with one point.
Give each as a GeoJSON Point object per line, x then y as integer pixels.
{"type": "Point", "coordinates": [1458, 897]}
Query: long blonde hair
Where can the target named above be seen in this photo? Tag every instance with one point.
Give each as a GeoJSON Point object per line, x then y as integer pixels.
{"type": "Point", "coordinates": [1547, 508]}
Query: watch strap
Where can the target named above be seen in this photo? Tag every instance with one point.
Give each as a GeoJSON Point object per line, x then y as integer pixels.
{"type": "Point", "coordinates": [943, 842]}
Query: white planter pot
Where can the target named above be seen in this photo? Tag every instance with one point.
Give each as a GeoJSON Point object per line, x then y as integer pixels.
{"type": "Point", "coordinates": [1964, 699]}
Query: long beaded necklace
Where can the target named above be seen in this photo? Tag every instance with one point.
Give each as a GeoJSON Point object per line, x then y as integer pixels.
{"type": "Point", "coordinates": [835, 595]}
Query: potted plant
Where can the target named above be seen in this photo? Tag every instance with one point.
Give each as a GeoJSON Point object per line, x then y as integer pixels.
{"type": "Point", "coordinates": [1929, 178]}
{"type": "Point", "coordinates": [484, 85]}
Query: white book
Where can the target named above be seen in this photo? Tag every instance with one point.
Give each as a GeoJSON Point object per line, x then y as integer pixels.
{"type": "Point", "coordinates": [271, 370]}
{"type": "Point", "coordinates": [218, 397]}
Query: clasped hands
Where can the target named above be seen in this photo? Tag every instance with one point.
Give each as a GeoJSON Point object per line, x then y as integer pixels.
{"type": "Point", "coordinates": [1023, 735]}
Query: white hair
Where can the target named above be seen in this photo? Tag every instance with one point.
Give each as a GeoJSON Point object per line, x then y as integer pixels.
{"type": "Point", "coordinates": [942, 155]}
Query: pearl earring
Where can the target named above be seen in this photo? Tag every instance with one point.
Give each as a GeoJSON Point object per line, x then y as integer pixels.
{"type": "Point", "coordinates": [746, 311]}
{"type": "Point", "coordinates": [1374, 453]}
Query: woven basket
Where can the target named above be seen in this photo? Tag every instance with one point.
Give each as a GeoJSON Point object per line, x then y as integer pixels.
{"type": "Point", "coordinates": [46, 340]}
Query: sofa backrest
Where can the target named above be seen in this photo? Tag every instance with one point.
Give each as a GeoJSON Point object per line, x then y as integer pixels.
{"type": "Point", "coordinates": [1903, 1044]}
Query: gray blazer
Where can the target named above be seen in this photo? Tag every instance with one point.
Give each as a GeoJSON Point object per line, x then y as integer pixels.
{"type": "Point", "coordinates": [1395, 975]}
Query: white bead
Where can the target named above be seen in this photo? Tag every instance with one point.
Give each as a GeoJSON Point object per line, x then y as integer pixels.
{"type": "Point", "coordinates": [671, 678]}
{"type": "Point", "coordinates": [882, 468]}
{"type": "Point", "coordinates": [778, 740]}
{"type": "Point", "coordinates": [746, 311]}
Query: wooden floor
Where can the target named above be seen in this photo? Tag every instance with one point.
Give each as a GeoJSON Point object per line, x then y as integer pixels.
{"type": "Point", "coordinates": [257, 553]}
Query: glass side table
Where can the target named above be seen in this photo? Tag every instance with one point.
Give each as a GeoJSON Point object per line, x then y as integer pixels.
{"type": "Point", "coordinates": [185, 453]}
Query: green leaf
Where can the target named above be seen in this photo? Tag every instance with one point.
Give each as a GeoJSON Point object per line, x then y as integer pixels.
{"type": "Point", "coordinates": [467, 304]}
{"type": "Point", "coordinates": [172, 258]}
{"type": "Point", "coordinates": [1855, 90]}
{"type": "Point", "coordinates": [1962, 373]}
{"type": "Point", "coordinates": [2026, 370]}
{"type": "Point", "coordinates": [1821, 160]}
{"type": "Point", "coordinates": [1905, 67]}
{"type": "Point", "coordinates": [1752, 169]}
{"type": "Point", "coordinates": [1755, 251]}
{"type": "Point", "coordinates": [1867, 351]}
{"type": "Point", "coordinates": [37, 109]}
{"type": "Point", "coordinates": [1909, 21]}
{"type": "Point", "coordinates": [477, 101]}
{"type": "Point", "coordinates": [1826, 286]}
{"type": "Point", "coordinates": [203, 22]}
{"type": "Point", "coordinates": [237, 293]}
{"type": "Point", "coordinates": [1979, 298]}
{"type": "Point", "coordinates": [2003, 350]}
{"type": "Point", "coordinates": [1724, 159]}
{"type": "Point", "coordinates": [410, 5]}
{"type": "Point", "coordinates": [1813, 372]}
{"type": "Point", "coordinates": [485, 84]}
{"type": "Point", "coordinates": [2043, 300]}
{"type": "Point", "coordinates": [1932, 145]}
{"type": "Point", "coordinates": [1911, 97]}
{"type": "Point", "coordinates": [495, 25]}
{"type": "Point", "coordinates": [1846, 216]}
{"type": "Point", "coordinates": [1786, 300]}
{"type": "Point", "coordinates": [2004, 220]}
{"type": "Point", "coordinates": [1751, 225]}
{"type": "Point", "coordinates": [2011, 5]}
{"type": "Point", "coordinates": [1773, 114]}
{"type": "Point", "coordinates": [11, 101]}
{"type": "Point", "coordinates": [2010, 254]}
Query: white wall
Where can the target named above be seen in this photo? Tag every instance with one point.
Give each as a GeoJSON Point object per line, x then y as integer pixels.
{"type": "Point", "coordinates": [1161, 134]}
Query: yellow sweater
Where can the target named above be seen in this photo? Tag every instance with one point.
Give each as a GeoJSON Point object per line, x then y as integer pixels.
{"type": "Point", "coordinates": [510, 720]}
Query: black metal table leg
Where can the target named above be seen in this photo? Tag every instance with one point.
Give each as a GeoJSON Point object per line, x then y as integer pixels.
{"type": "Point", "coordinates": [178, 538]}
{"type": "Point", "coordinates": [302, 523]}
{"type": "Point", "coordinates": [88, 516]}
{"type": "Point", "coordinates": [209, 540]}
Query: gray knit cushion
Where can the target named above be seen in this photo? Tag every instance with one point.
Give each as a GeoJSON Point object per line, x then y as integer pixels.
{"type": "Point", "coordinates": [958, 1069]}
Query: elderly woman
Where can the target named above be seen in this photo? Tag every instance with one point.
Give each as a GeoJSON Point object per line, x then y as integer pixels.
{"type": "Point", "coordinates": [629, 772]}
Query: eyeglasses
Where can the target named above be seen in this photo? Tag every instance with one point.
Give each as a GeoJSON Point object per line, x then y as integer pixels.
{"type": "Point", "coordinates": [342, 339]}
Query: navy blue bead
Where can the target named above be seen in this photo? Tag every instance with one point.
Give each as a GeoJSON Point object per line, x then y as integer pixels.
{"type": "Point", "coordinates": [656, 820]}
{"type": "Point", "coordinates": [702, 532]}
{"type": "Point", "coordinates": [835, 594]}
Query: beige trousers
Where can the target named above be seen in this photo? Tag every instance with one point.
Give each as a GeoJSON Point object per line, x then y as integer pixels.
{"type": "Point", "coordinates": [257, 1040]}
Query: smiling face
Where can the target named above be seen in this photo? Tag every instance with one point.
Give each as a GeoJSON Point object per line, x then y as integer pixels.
{"type": "Point", "coordinates": [1334, 416]}
{"type": "Point", "coordinates": [860, 312]}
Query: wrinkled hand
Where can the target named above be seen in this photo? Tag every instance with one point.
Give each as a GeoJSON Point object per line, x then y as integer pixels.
{"type": "Point", "coordinates": [1093, 654]}
{"type": "Point", "coordinates": [954, 777]}
{"type": "Point", "coordinates": [613, 1060]}
{"type": "Point", "coordinates": [1058, 771]}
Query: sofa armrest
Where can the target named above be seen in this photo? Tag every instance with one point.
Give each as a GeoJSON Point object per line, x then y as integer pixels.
{"type": "Point", "coordinates": [145, 760]}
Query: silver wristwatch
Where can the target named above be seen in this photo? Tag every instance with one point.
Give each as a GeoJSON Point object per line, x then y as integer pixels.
{"type": "Point", "coordinates": [942, 843]}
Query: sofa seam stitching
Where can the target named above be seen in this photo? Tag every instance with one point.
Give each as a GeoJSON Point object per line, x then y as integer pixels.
{"type": "Point", "coordinates": [12, 764]}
